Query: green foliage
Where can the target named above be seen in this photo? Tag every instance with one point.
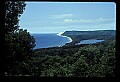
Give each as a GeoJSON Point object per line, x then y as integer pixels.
{"type": "Point", "coordinates": [13, 10]}
{"type": "Point", "coordinates": [24, 44]}
{"type": "Point", "coordinates": [91, 54]}
{"type": "Point", "coordinates": [18, 48]}
{"type": "Point", "coordinates": [82, 61]}
{"type": "Point", "coordinates": [80, 68]}
{"type": "Point", "coordinates": [19, 43]}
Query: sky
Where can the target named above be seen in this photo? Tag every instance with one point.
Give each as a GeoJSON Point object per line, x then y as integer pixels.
{"type": "Point", "coordinates": [55, 17]}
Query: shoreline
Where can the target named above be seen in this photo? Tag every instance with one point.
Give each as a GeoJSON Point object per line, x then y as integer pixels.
{"type": "Point", "coordinates": [60, 34]}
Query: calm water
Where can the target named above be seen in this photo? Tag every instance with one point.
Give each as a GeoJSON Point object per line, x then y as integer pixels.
{"type": "Point", "coordinates": [90, 41]}
{"type": "Point", "coordinates": [49, 40]}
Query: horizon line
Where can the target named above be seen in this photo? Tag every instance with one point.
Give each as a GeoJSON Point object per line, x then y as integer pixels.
{"type": "Point", "coordinates": [64, 31]}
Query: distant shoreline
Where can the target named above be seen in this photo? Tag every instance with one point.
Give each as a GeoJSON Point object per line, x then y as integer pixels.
{"type": "Point", "coordinates": [60, 34]}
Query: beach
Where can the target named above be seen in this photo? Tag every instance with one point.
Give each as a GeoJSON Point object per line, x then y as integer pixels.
{"type": "Point", "coordinates": [60, 34]}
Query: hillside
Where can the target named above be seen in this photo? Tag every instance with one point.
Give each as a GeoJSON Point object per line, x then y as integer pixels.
{"type": "Point", "coordinates": [77, 36]}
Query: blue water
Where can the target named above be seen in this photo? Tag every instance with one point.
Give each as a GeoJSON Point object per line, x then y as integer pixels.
{"type": "Point", "coordinates": [90, 41]}
{"type": "Point", "coordinates": [49, 40]}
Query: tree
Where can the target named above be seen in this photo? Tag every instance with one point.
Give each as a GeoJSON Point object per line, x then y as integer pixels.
{"type": "Point", "coordinates": [109, 59]}
{"type": "Point", "coordinates": [19, 43]}
{"type": "Point", "coordinates": [80, 67]}
{"type": "Point", "coordinates": [23, 45]}
{"type": "Point", "coordinates": [13, 10]}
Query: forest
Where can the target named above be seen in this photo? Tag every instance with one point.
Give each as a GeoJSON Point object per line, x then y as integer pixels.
{"type": "Point", "coordinates": [86, 60]}
{"type": "Point", "coordinates": [96, 60]}
{"type": "Point", "coordinates": [77, 36]}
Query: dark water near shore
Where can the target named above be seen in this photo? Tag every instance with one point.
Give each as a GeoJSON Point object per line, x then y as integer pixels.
{"type": "Point", "coordinates": [49, 40]}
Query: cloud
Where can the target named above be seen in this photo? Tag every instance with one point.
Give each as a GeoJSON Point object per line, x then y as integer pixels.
{"type": "Point", "coordinates": [87, 20]}
{"type": "Point", "coordinates": [103, 19]}
{"type": "Point", "coordinates": [78, 21]}
{"type": "Point", "coordinates": [59, 16]}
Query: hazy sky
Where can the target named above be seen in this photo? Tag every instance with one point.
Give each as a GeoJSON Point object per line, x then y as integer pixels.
{"type": "Point", "coordinates": [55, 17]}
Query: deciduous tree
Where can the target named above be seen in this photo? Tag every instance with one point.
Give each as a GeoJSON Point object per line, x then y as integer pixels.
{"type": "Point", "coordinates": [18, 42]}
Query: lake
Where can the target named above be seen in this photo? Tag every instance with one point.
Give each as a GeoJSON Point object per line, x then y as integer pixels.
{"type": "Point", "coordinates": [90, 41]}
{"type": "Point", "coordinates": [49, 40]}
